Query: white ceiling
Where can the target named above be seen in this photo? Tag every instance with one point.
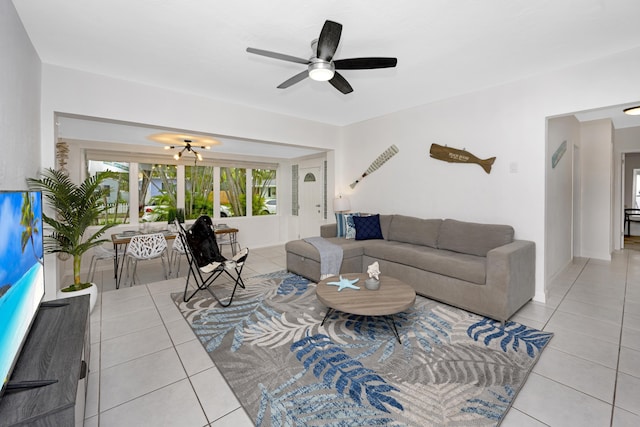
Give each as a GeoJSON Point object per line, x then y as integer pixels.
{"type": "Point", "coordinates": [444, 48]}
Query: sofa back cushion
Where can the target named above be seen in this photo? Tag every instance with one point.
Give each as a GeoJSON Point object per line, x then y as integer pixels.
{"type": "Point", "coordinates": [471, 238]}
{"type": "Point", "coordinates": [418, 231]}
{"type": "Point", "coordinates": [385, 223]}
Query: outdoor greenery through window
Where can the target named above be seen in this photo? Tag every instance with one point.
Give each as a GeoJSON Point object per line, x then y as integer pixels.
{"type": "Point", "coordinates": [157, 191]}
{"type": "Point", "coordinates": [115, 191]}
{"type": "Point", "coordinates": [233, 190]}
{"type": "Point", "coordinates": [264, 191]}
{"type": "Point", "coordinates": [199, 195]}
{"type": "Point", "coordinates": [159, 184]}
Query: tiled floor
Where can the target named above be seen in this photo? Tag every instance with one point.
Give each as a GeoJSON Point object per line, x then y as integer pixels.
{"type": "Point", "coordinates": [148, 369]}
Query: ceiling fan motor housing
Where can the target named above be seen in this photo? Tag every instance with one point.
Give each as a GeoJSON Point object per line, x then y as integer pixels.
{"type": "Point", "coordinates": [320, 70]}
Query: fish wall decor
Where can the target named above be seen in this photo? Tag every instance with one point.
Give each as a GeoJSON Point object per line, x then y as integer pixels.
{"type": "Point", "coordinates": [454, 155]}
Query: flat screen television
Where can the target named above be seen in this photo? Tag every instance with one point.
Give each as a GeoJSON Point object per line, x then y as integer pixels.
{"type": "Point", "coordinates": [21, 273]}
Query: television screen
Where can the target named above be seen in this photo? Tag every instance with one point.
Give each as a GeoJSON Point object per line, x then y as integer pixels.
{"type": "Point", "coordinates": [21, 272]}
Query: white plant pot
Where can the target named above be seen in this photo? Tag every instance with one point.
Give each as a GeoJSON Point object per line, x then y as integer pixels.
{"type": "Point", "coordinates": [92, 291]}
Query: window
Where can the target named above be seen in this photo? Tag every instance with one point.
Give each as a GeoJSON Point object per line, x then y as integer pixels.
{"type": "Point", "coordinates": [198, 191]}
{"type": "Point", "coordinates": [264, 191]}
{"type": "Point", "coordinates": [115, 190]}
{"type": "Point", "coordinates": [233, 190]}
{"type": "Point", "coordinates": [157, 191]}
{"type": "Point", "coordinates": [186, 191]}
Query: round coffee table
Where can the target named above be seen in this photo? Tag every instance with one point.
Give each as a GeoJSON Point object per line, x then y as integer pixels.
{"type": "Point", "coordinates": [393, 296]}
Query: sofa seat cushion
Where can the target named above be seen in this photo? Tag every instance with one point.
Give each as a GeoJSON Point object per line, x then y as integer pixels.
{"type": "Point", "coordinates": [350, 248]}
{"type": "Point", "coordinates": [472, 238]}
{"type": "Point", "coordinates": [466, 267]}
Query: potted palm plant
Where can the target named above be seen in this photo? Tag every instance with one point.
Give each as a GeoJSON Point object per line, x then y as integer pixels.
{"type": "Point", "coordinates": [76, 207]}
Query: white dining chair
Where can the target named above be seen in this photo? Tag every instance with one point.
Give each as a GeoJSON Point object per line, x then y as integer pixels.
{"type": "Point", "coordinates": [144, 247]}
{"type": "Point", "coordinates": [177, 251]}
{"type": "Point", "coordinates": [100, 253]}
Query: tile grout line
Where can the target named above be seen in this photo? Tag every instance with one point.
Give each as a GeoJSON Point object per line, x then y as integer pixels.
{"type": "Point", "coordinates": [624, 300]}
{"type": "Point", "coordinates": [555, 309]}
{"type": "Point", "coordinates": [174, 348]}
{"type": "Point", "coordinates": [188, 377]}
{"type": "Point", "coordinates": [616, 370]}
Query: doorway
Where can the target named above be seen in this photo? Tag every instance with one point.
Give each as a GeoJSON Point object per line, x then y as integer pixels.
{"type": "Point", "coordinates": [630, 191]}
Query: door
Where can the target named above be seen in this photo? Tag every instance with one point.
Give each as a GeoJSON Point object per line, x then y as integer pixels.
{"type": "Point", "coordinates": [310, 193]}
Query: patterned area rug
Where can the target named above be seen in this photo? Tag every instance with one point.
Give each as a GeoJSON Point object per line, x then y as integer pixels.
{"type": "Point", "coordinates": [452, 368]}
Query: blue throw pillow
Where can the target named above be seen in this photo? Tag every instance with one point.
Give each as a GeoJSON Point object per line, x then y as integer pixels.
{"type": "Point", "coordinates": [368, 227]}
{"type": "Point", "coordinates": [340, 223]}
{"type": "Point", "coordinates": [350, 226]}
{"type": "Point", "coordinates": [345, 226]}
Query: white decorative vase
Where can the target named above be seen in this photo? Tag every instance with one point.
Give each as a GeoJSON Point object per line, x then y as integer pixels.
{"type": "Point", "coordinates": [372, 284]}
{"type": "Point", "coordinates": [92, 291]}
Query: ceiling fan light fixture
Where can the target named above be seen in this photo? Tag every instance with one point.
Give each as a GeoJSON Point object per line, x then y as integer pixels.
{"type": "Point", "coordinates": [321, 71]}
{"type": "Point", "coordinates": [177, 155]}
{"type": "Point", "coordinates": [633, 111]}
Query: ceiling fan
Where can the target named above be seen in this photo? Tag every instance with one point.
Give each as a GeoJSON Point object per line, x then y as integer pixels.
{"type": "Point", "coordinates": [321, 66]}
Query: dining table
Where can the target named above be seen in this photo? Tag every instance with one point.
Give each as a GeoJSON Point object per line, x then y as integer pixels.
{"type": "Point", "coordinates": [122, 239]}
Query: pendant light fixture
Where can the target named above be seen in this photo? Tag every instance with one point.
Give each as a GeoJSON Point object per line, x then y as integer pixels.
{"type": "Point", "coordinates": [187, 147]}
{"type": "Point", "coordinates": [184, 143]}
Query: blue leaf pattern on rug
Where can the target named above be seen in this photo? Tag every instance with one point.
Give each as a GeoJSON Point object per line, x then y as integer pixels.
{"type": "Point", "coordinates": [340, 370]}
{"type": "Point", "coordinates": [294, 284]}
{"type": "Point", "coordinates": [511, 332]}
{"type": "Point", "coordinates": [491, 410]}
{"type": "Point", "coordinates": [453, 368]}
{"type": "Point", "coordinates": [315, 404]}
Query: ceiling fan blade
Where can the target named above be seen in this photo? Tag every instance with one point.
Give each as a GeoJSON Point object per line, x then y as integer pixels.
{"type": "Point", "coordinates": [277, 55]}
{"type": "Point", "coordinates": [328, 40]}
{"type": "Point", "coordinates": [341, 83]}
{"type": "Point", "coordinates": [364, 63]}
{"type": "Point", "coordinates": [293, 80]}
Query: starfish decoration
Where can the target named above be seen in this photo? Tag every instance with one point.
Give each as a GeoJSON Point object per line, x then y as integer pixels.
{"type": "Point", "coordinates": [345, 283]}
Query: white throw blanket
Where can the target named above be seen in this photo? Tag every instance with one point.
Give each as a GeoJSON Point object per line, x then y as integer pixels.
{"type": "Point", "coordinates": [330, 256]}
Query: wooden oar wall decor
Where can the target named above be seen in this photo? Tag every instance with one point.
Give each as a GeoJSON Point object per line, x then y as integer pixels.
{"type": "Point", "coordinates": [454, 155]}
{"type": "Point", "coordinates": [382, 158]}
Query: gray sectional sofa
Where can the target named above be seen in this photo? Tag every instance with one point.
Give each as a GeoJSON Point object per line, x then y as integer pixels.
{"type": "Point", "coordinates": [477, 267]}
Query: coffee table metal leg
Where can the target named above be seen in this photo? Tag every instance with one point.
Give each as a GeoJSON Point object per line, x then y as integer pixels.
{"type": "Point", "coordinates": [393, 326]}
{"type": "Point", "coordinates": [329, 311]}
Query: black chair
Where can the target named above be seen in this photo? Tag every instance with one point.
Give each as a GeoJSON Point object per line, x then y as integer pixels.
{"type": "Point", "coordinates": [206, 263]}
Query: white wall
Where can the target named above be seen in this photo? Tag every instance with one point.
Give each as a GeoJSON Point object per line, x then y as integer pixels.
{"type": "Point", "coordinates": [19, 102]}
{"type": "Point", "coordinates": [508, 122]}
{"type": "Point", "coordinates": [559, 194]}
{"type": "Point", "coordinates": [20, 85]}
{"type": "Point", "coordinates": [597, 197]}
{"type": "Point", "coordinates": [76, 92]}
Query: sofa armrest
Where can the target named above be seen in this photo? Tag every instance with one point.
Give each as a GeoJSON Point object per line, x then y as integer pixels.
{"type": "Point", "coordinates": [328, 230]}
{"type": "Point", "coordinates": [511, 270]}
